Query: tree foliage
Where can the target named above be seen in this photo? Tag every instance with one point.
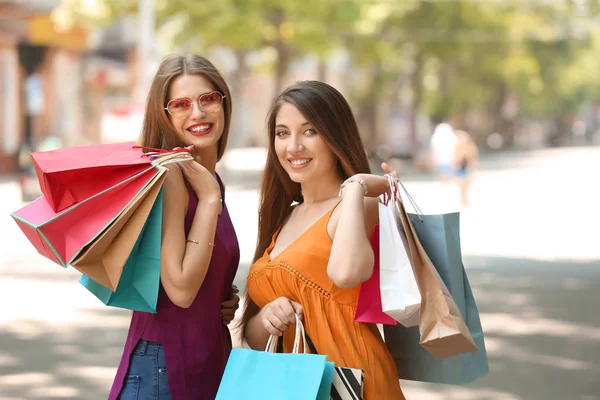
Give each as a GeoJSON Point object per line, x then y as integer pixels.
{"type": "Point", "coordinates": [445, 57]}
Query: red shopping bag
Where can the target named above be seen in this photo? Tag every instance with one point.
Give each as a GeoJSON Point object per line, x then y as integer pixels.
{"type": "Point", "coordinates": [71, 175]}
{"type": "Point", "coordinates": [368, 307]}
{"type": "Point", "coordinates": [60, 236]}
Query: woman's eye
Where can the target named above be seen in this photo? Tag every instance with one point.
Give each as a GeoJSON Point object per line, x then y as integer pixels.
{"type": "Point", "coordinates": [281, 133]}
{"type": "Point", "coordinates": [311, 132]}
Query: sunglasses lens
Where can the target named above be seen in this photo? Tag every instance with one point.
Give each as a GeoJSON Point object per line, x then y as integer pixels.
{"type": "Point", "coordinates": [210, 102]}
{"type": "Point", "coordinates": [179, 107]}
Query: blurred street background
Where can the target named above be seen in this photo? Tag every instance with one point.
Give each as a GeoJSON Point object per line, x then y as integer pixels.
{"type": "Point", "coordinates": [520, 77]}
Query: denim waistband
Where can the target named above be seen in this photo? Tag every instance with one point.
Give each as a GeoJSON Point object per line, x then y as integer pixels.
{"type": "Point", "coordinates": [146, 347]}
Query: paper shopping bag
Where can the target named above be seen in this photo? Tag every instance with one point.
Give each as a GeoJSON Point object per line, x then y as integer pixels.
{"type": "Point", "coordinates": [338, 383]}
{"type": "Point", "coordinates": [103, 260]}
{"type": "Point", "coordinates": [346, 383]}
{"type": "Point", "coordinates": [61, 236]}
{"type": "Point", "coordinates": [264, 375]}
{"type": "Point", "coordinates": [440, 237]}
{"type": "Point", "coordinates": [139, 284]}
{"type": "Point", "coordinates": [400, 296]}
{"type": "Point", "coordinates": [368, 306]}
{"type": "Point", "coordinates": [415, 363]}
{"type": "Point", "coordinates": [71, 175]}
{"type": "Point", "coordinates": [442, 329]}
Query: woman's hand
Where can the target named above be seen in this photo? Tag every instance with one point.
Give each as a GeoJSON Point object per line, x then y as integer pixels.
{"type": "Point", "coordinates": [229, 307]}
{"type": "Point", "coordinates": [388, 170]}
{"type": "Point", "coordinates": [203, 183]}
{"type": "Point", "coordinates": [278, 315]}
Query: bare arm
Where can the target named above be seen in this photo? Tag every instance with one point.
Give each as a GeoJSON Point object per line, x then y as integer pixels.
{"type": "Point", "coordinates": [256, 334]}
{"type": "Point", "coordinates": [184, 265]}
{"type": "Point", "coordinates": [351, 260]}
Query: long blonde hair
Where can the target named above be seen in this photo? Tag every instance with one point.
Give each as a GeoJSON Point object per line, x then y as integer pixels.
{"type": "Point", "coordinates": [157, 130]}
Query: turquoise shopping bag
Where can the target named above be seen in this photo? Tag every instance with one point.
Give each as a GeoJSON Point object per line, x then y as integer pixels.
{"type": "Point", "coordinates": [265, 375]}
{"type": "Point", "coordinates": [440, 237]}
{"type": "Point", "coordinates": [138, 287]}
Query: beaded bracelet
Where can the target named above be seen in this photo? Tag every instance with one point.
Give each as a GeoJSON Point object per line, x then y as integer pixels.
{"type": "Point", "coordinates": [353, 179]}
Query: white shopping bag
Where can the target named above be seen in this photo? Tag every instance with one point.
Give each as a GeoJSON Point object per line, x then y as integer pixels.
{"type": "Point", "coordinates": [400, 296]}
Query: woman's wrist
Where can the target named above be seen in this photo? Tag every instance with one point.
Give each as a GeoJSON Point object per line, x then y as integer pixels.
{"type": "Point", "coordinates": [212, 202]}
{"type": "Point", "coordinates": [357, 184]}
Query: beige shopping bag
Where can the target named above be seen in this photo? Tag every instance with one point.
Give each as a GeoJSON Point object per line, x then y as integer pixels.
{"type": "Point", "coordinates": [103, 259]}
{"type": "Point", "coordinates": [442, 329]}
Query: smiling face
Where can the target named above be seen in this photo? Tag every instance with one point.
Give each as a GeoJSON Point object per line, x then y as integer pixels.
{"type": "Point", "coordinates": [202, 128]}
{"type": "Point", "coordinates": [300, 149]}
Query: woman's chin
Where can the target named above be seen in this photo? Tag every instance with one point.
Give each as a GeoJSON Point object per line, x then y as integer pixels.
{"type": "Point", "coordinates": [298, 177]}
{"type": "Point", "coordinates": [201, 142]}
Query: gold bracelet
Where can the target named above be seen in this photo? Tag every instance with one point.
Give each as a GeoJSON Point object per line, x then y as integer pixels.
{"type": "Point", "coordinates": [197, 242]}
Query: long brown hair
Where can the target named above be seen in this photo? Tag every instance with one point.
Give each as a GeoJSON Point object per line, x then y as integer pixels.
{"type": "Point", "coordinates": [157, 130]}
{"type": "Point", "coordinates": [328, 111]}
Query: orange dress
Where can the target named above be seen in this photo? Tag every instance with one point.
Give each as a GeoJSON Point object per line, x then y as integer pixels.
{"type": "Point", "coordinates": [300, 273]}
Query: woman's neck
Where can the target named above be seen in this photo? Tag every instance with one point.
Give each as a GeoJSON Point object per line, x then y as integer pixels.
{"type": "Point", "coordinates": [321, 189]}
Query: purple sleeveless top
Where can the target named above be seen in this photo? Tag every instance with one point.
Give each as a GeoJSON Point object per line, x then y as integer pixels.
{"type": "Point", "coordinates": [195, 342]}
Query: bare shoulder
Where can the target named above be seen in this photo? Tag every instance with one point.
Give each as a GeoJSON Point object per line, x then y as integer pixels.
{"type": "Point", "coordinates": [175, 191]}
{"type": "Point", "coordinates": [371, 216]}
{"type": "Point", "coordinates": [174, 177]}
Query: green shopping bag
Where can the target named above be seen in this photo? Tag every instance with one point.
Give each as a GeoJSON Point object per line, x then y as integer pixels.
{"type": "Point", "coordinates": [138, 287]}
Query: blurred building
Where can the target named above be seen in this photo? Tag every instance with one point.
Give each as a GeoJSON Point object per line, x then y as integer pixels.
{"type": "Point", "coordinates": [36, 59]}
{"type": "Point", "coordinates": [71, 84]}
{"type": "Point", "coordinates": [110, 78]}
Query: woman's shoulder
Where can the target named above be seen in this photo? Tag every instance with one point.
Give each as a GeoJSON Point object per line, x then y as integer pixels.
{"type": "Point", "coordinates": [174, 174]}
{"type": "Point", "coordinates": [175, 188]}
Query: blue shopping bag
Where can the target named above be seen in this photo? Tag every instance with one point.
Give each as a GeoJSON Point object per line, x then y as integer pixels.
{"type": "Point", "coordinates": [440, 237]}
{"type": "Point", "coordinates": [265, 375]}
{"type": "Point", "coordinates": [139, 283]}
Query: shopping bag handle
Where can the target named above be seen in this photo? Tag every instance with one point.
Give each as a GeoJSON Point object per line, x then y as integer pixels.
{"type": "Point", "coordinates": [163, 156]}
{"type": "Point", "coordinates": [171, 158]}
{"type": "Point", "coordinates": [153, 150]}
{"type": "Point", "coordinates": [277, 342]}
{"type": "Point", "coordinates": [393, 194]}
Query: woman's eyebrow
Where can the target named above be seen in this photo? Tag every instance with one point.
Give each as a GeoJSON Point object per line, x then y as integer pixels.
{"type": "Point", "coordinates": [283, 126]}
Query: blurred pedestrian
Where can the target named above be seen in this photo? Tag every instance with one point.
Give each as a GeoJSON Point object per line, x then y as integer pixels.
{"type": "Point", "coordinates": [318, 209]}
{"type": "Point", "coordinates": [466, 158]}
{"type": "Point", "coordinates": [443, 149]}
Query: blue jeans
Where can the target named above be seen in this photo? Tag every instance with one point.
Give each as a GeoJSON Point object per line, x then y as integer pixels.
{"type": "Point", "coordinates": [146, 377]}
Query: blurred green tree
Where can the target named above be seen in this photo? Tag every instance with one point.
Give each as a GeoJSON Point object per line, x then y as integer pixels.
{"type": "Point", "coordinates": [507, 60]}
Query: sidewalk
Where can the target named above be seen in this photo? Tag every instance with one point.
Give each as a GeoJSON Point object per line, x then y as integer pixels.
{"type": "Point", "coordinates": [533, 267]}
